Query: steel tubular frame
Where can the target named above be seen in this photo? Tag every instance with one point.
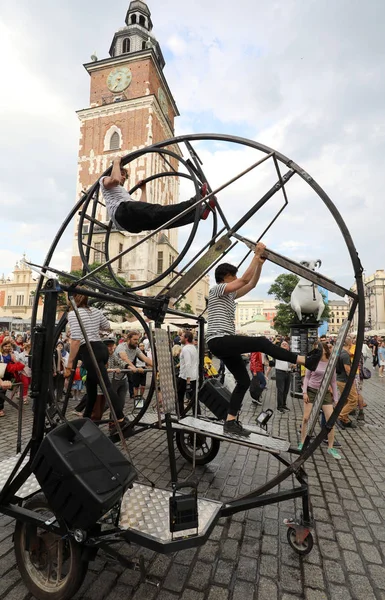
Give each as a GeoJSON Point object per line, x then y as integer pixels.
{"type": "Point", "coordinates": [158, 307]}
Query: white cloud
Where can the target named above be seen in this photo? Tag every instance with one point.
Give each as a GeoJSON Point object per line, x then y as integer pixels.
{"type": "Point", "coordinates": [306, 79]}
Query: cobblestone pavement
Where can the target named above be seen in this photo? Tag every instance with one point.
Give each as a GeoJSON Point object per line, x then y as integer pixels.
{"type": "Point", "coordinates": [247, 556]}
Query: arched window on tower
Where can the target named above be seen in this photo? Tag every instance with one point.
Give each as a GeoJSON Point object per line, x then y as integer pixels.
{"type": "Point", "coordinates": [126, 45]}
{"type": "Point", "coordinates": [115, 141]}
{"type": "Point", "coordinates": [133, 19]}
{"type": "Point", "coordinates": [142, 21]}
{"type": "Point", "coordinates": [144, 45]}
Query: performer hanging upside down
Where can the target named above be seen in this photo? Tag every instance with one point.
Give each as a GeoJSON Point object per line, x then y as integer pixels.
{"type": "Point", "coordinates": [223, 342]}
{"type": "Point", "coordinates": [130, 215]}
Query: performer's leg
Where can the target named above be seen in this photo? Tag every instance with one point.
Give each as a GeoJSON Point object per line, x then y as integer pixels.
{"type": "Point", "coordinates": [143, 216]}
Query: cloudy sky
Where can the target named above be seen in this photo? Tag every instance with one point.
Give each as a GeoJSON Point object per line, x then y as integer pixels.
{"type": "Point", "coordinates": [305, 78]}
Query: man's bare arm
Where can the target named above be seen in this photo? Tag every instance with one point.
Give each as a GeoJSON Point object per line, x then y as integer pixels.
{"type": "Point", "coordinates": [114, 179]}
{"type": "Point", "coordinates": [253, 282]}
{"type": "Point", "coordinates": [250, 272]}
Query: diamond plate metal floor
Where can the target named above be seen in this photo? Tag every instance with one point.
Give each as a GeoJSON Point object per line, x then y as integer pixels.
{"type": "Point", "coordinates": [28, 488]}
{"type": "Point", "coordinates": [259, 440]}
{"type": "Point", "coordinates": [145, 515]}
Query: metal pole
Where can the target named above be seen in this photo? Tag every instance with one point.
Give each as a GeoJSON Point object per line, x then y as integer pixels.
{"type": "Point", "coordinates": [44, 361]}
{"type": "Point", "coordinates": [19, 419]}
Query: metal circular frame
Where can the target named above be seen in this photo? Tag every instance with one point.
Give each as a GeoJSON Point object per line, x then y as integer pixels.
{"type": "Point", "coordinates": [357, 268]}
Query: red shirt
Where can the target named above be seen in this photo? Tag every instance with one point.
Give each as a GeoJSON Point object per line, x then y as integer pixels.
{"type": "Point", "coordinates": [256, 364]}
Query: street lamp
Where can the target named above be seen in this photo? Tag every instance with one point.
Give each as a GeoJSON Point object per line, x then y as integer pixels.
{"type": "Point", "coordinates": [368, 294]}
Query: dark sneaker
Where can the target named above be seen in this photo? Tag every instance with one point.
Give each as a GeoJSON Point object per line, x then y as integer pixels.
{"type": "Point", "coordinates": [336, 444]}
{"type": "Point", "coordinates": [280, 410]}
{"type": "Point", "coordinates": [258, 402]}
{"type": "Point", "coordinates": [313, 358]}
{"type": "Point", "coordinates": [361, 416]}
{"type": "Point", "coordinates": [346, 424]}
{"type": "Point", "coordinates": [123, 425]}
{"type": "Point", "coordinates": [235, 428]}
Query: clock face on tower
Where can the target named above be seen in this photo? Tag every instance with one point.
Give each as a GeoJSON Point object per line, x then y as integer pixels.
{"type": "Point", "coordinates": [119, 79]}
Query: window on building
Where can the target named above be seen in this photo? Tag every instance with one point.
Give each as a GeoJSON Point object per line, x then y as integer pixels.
{"type": "Point", "coordinates": [9, 300]}
{"type": "Point", "coordinates": [115, 141]}
{"type": "Point", "coordinates": [126, 45]}
{"type": "Point", "coordinates": [338, 320]}
{"type": "Point", "coordinates": [99, 252]}
{"type": "Point", "coordinates": [31, 298]}
{"type": "Point", "coordinates": [20, 300]}
{"type": "Point", "coordinates": [338, 314]}
{"type": "Point", "coordinates": [144, 45]}
{"type": "Point", "coordinates": [170, 260]}
{"type": "Point", "coordinates": [142, 21]}
{"type": "Point", "coordinates": [160, 262]}
{"type": "Point", "coordinates": [133, 19]}
{"type": "Point", "coordinates": [120, 261]}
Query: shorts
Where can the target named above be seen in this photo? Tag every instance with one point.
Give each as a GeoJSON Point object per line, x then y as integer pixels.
{"type": "Point", "coordinates": [381, 363]}
{"type": "Point", "coordinates": [139, 379]}
{"type": "Point", "coordinates": [77, 385]}
{"type": "Point", "coordinates": [328, 400]}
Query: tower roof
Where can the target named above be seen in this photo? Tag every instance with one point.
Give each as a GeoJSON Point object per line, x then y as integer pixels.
{"type": "Point", "coordinates": [141, 7]}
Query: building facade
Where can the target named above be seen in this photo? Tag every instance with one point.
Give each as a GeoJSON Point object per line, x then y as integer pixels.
{"type": "Point", "coordinates": [339, 310]}
{"type": "Point", "coordinates": [374, 302]}
{"type": "Point", "coordinates": [17, 294]}
{"type": "Point", "coordinates": [131, 107]}
{"type": "Point", "coordinates": [248, 311]}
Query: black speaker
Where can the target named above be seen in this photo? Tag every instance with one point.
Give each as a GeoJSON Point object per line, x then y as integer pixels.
{"type": "Point", "coordinates": [216, 397]}
{"type": "Point", "coordinates": [82, 474]}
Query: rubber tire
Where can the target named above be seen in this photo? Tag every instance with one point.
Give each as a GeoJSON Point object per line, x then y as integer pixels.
{"type": "Point", "coordinates": [78, 570]}
{"type": "Point", "coordinates": [187, 453]}
{"type": "Point", "coordinates": [307, 544]}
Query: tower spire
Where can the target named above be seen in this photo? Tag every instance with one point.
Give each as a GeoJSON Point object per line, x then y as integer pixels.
{"type": "Point", "coordinates": [137, 35]}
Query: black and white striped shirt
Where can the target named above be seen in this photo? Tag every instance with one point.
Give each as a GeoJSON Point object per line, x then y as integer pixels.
{"type": "Point", "coordinates": [221, 312]}
{"type": "Point", "coordinates": [94, 322]}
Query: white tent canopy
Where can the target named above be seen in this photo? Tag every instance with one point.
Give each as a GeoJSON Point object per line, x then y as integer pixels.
{"type": "Point", "coordinates": [174, 322]}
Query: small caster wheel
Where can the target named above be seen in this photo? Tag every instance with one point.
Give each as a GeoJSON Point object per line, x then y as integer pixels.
{"type": "Point", "coordinates": [304, 547]}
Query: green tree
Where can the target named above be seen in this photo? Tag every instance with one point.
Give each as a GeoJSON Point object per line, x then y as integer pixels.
{"type": "Point", "coordinates": [282, 289]}
{"type": "Point", "coordinates": [111, 310]}
{"type": "Point", "coordinates": [186, 307]}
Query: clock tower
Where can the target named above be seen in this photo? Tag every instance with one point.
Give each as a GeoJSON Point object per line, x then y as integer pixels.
{"type": "Point", "coordinates": [131, 106]}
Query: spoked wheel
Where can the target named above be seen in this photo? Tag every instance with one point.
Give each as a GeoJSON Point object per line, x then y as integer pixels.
{"type": "Point", "coordinates": [206, 447]}
{"type": "Point", "coordinates": [304, 547]}
{"type": "Point", "coordinates": [51, 566]}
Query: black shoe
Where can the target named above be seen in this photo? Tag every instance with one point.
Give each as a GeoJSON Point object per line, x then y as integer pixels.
{"type": "Point", "coordinates": [123, 425]}
{"type": "Point", "coordinates": [257, 402]}
{"type": "Point", "coordinates": [280, 410]}
{"type": "Point", "coordinates": [336, 444]}
{"type": "Point", "coordinates": [235, 428]}
{"type": "Point", "coordinates": [313, 358]}
{"type": "Point", "coordinates": [286, 408]}
{"type": "Point", "coordinates": [361, 416]}
{"type": "Point", "coordinates": [346, 425]}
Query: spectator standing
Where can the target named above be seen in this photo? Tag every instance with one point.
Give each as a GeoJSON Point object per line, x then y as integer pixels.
{"type": "Point", "coordinates": [282, 374]}
{"type": "Point", "coordinates": [311, 385]}
{"type": "Point", "coordinates": [188, 369]}
{"type": "Point", "coordinates": [381, 359]}
{"type": "Point", "coordinates": [343, 371]}
{"type": "Point", "coordinates": [258, 370]}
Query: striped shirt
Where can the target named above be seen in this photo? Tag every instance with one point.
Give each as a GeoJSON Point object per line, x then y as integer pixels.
{"type": "Point", "coordinates": [113, 198]}
{"type": "Point", "coordinates": [221, 312]}
{"type": "Point", "coordinates": [93, 321]}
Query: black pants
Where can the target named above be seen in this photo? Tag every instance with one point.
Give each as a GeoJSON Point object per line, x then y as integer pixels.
{"type": "Point", "coordinates": [101, 355]}
{"type": "Point", "coordinates": [282, 380]}
{"type": "Point", "coordinates": [230, 347]}
{"type": "Point", "coordinates": [2, 399]}
{"type": "Point", "coordinates": [181, 389]}
{"type": "Point", "coordinates": [143, 216]}
{"type": "Point", "coordinates": [58, 385]}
